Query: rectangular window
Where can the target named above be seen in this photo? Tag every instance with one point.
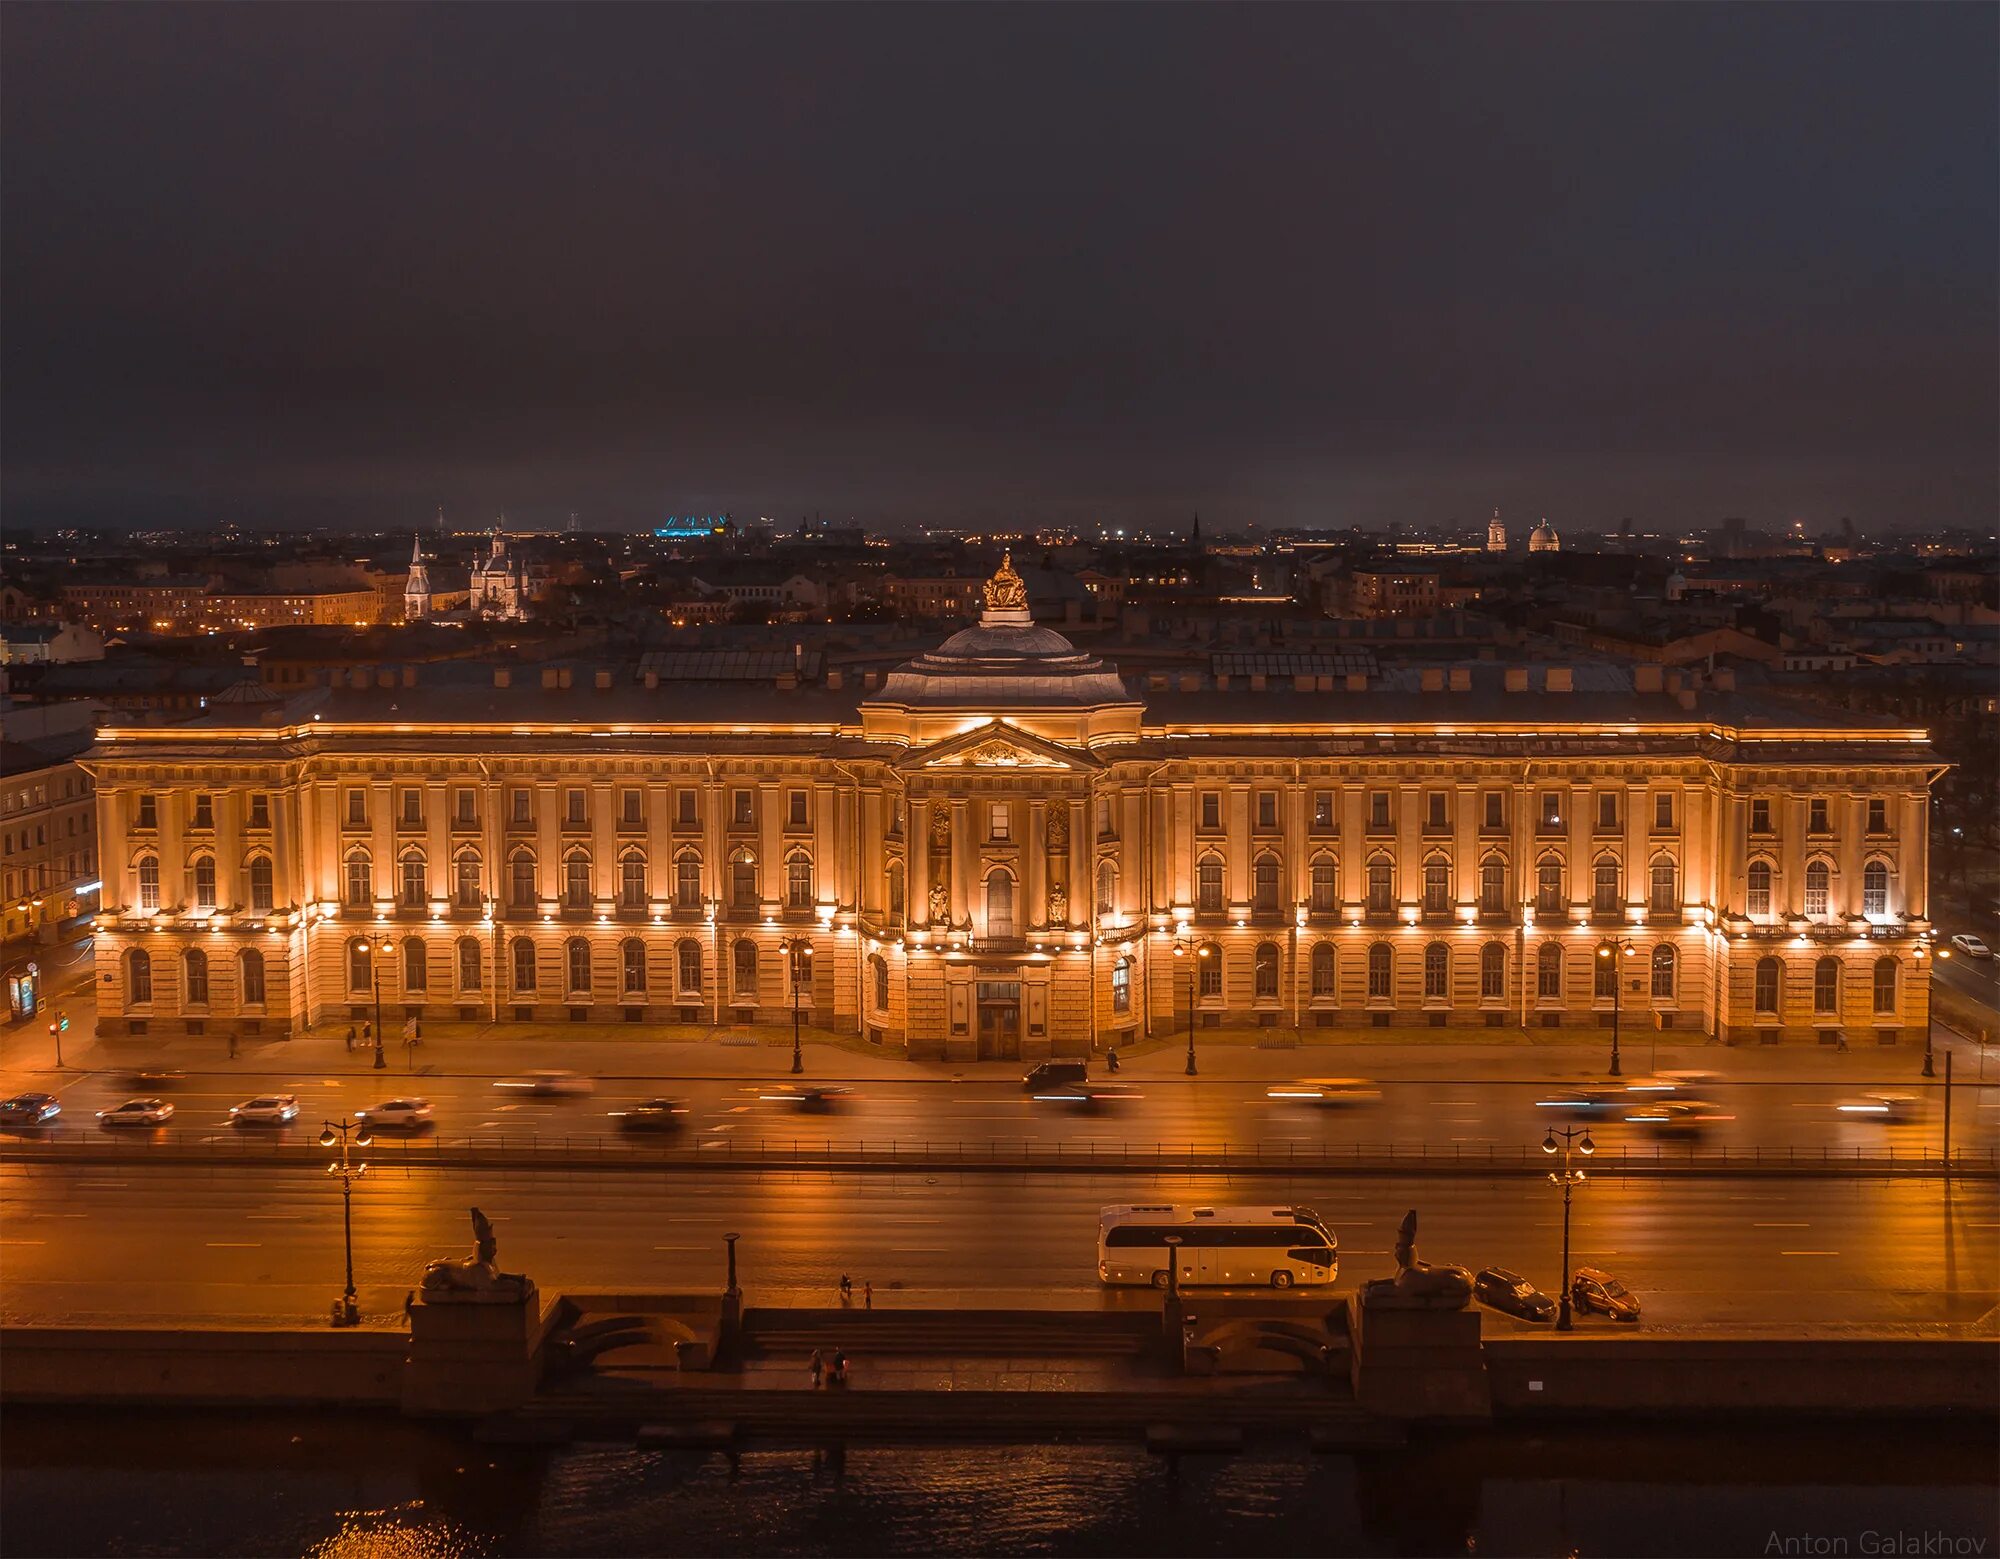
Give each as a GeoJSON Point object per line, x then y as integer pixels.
{"type": "Point", "coordinates": [685, 814]}
{"type": "Point", "coordinates": [795, 809]}
{"type": "Point", "coordinates": [1267, 809]}
{"type": "Point", "coordinates": [573, 808]}
{"type": "Point", "coordinates": [1104, 828]}
{"type": "Point", "coordinates": [357, 808]}
{"type": "Point", "coordinates": [1434, 813]}
{"type": "Point", "coordinates": [630, 811]}
{"type": "Point", "coordinates": [997, 822]}
{"type": "Point", "coordinates": [1322, 811]}
{"type": "Point", "coordinates": [1816, 816]}
{"type": "Point", "coordinates": [742, 808]}
{"type": "Point", "coordinates": [149, 812]}
{"type": "Point", "coordinates": [1663, 809]}
{"type": "Point", "coordinates": [1495, 803]}
{"type": "Point", "coordinates": [1551, 811]}
{"type": "Point", "coordinates": [465, 807]}
{"type": "Point", "coordinates": [521, 806]}
{"type": "Point", "coordinates": [260, 810]}
{"type": "Point", "coordinates": [1878, 816]}
{"type": "Point", "coordinates": [413, 807]}
{"type": "Point", "coordinates": [204, 811]}
{"type": "Point", "coordinates": [1378, 809]}
{"type": "Point", "coordinates": [1760, 816]}
{"type": "Point", "coordinates": [1211, 809]}
{"type": "Point", "coordinates": [1607, 810]}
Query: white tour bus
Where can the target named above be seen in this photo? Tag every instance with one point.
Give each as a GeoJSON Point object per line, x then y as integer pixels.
{"type": "Point", "coordinates": [1278, 1246]}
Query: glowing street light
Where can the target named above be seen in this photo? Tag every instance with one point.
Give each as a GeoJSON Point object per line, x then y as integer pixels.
{"type": "Point", "coordinates": [346, 1312]}
{"type": "Point", "coordinates": [1181, 951]}
{"type": "Point", "coordinates": [1579, 1138]}
{"type": "Point", "coordinates": [1615, 948]}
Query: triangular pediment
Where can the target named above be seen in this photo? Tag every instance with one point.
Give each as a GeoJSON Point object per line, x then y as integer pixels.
{"type": "Point", "coordinates": [998, 745]}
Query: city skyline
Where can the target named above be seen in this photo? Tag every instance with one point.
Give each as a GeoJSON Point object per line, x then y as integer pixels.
{"type": "Point", "coordinates": [1346, 266]}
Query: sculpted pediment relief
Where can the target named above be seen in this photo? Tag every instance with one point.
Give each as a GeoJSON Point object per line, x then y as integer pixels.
{"type": "Point", "coordinates": [996, 754]}
{"type": "Point", "coordinates": [998, 746]}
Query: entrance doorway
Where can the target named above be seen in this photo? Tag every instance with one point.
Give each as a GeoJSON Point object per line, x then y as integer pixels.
{"type": "Point", "coordinates": [999, 1020]}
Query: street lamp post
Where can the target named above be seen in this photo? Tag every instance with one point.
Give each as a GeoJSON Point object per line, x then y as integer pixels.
{"type": "Point", "coordinates": [790, 947]}
{"type": "Point", "coordinates": [1615, 948]}
{"type": "Point", "coordinates": [57, 1024]}
{"type": "Point", "coordinates": [1181, 951]}
{"type": "Point", "coordinates": [1568, 1179]}
{"type": "Point", "coordinates": [347, 1312]}
{"type": "Point", "coordinates": [376, 949]}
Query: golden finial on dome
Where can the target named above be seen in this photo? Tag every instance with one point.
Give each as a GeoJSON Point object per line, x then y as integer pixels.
{"type": "Point", "coordinates": [1004, 591]}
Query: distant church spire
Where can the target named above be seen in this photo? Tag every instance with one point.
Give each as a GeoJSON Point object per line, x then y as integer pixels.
{"type": "Point", "coordinates": [417, 588]}
{"type": "Point", "coordinates": [1194, 535]}
{"type": "Point", "coordinates": [1496, 534]}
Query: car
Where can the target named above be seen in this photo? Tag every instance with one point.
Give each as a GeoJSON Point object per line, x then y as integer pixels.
{"type": "Point", "coordinates": [651, 1115]}
{"type": "Point", "coordinates": [1089, 1096]}
{"type": "Point", "coordinates": [811, 1097]}
{"type": "Point", "coordinates": [267, 1109]}
{"type": "Point", "coordinates": [1327, 1090]}
{"type": "Point", "coordinates": [137, 1112]}
{"type": "Point", "coordinates": [1588, 1103]}
{"type": "Point", "coordinates": [1055, 1077]}
{"type": "Point", "coordinates": [548, 1085]}
{"type": "Point", "coordinates": [157, 1077]}
{"type": "Point", "coordinates": [1592, 1290]}
{"type": "Point", "coordinates": [29, 1109]}
{"type": "Point", "coordinates": [397, 1115]}
{"type": "Point", "coordinates": [1973, 947]}
{"type": "Point", "coordinates": [1894, 1109]}
{"type": "Point", "coordinates": [1679, 1117]}
{"type": "Point", "coordinates": [1512, 1294]}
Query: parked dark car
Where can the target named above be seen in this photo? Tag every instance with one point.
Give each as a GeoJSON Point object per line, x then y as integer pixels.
{"type": "Point", "coordinates": [1592, 1290]}
{"type": "Point", "coordinates": [1512, 1294]}
{"type": "Point", "coordinates": [29, 1109]}
{"type": "Point", "coordinates": [1056, 1077]}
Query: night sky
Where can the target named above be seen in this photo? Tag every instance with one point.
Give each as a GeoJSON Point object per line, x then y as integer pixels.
{"type": "Point", "coordinates": [1290, 264]}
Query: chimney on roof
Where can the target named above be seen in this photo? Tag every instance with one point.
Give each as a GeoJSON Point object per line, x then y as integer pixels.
{"type": "Point", "coordinates": [502, 677]}
{"type": "Point", "coordinates": [1685, 697]}
{"type": "Point", "coordinates": [651, 679]}
{"type": "Point", "coordinates": [548, 676]}
{"type": "Point", "coordinates": [1517, 679]}
{"type": "Point", "coordinates": [1357, 682]}
{"type": "Point", "coordinates": [1461, 679]}
{"type": "Point", "coordinates": [385, 678]}
{"type": "Point", "coordinates": [1256, 681]}
{"type": "Point", "coordinates": [562, 677]}
{"type": "Point", "coordinates": [835, 680]}
{"type": "Point", "coordinates": [1431, 679]}
{"type": "Point", "coordinates": [1725, 679]}
{"type": "Point", "coordinates": [1646, 678]}
{"type": "Point", "coordinates": [1562, 679]}
{"type": "Point", "coordinates": [602, 680]}
{"type": "Point", "coordinates": [409, 676]}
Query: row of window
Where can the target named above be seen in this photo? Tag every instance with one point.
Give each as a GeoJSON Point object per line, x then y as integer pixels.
{"type": "Point", "coordinates": [1435, 809]}
{"type": "Point", "coordinates": [76, 823]}
{"type": "Point", "coordinates": [634, 881]}
{"type": "Point", "coordinates": [202, 812]}
{"type": "Point", "coordinates": [48, 874]}
{"type": "Point", "coordinates": [1762, 877]}
{"type": "Point", "coordinates": [194, 977]}
{"type": "Point", "coordinates": [1323, 889]}
{"type": "Point", "coordinates": [578, 975]}
{"type": "Point", "coordinates": [1324, 971]}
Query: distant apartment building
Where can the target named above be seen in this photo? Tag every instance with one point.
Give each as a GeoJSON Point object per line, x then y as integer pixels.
{"type": "Point", "coordinates": [195, 606]}
{"type": "Point", "coordinates": [48, 644]}
{"type": "Point", "coordinates": [932, 597]}
{"type": "Point", "coordinates": [1393, 593]}
{"type": "Point", "coordinates": [48, 837]}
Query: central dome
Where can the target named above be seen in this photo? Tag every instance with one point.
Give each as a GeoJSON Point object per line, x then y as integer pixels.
{"type": "Point", "coordinates": [1006, 641]}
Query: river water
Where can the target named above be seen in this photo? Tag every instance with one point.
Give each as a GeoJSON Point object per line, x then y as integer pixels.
{"type": "Point", "coordinates": [367, 1486]}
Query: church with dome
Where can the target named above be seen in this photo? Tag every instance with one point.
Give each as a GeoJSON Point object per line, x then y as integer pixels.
{"type": "Point", "coordinates": [1003, 847]}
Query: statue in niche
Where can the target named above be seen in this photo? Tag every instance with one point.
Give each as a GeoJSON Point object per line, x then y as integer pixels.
{"type": "Point", "coordinates": [941, 829]}
{"type": "Point", "coordinates": [1417, 1285]}
{"type": "Point", "coordinates": [1058, 905]}
{"type": "Point", "coordinates": [1058, 827]}
{"type": "Point", "coordinates": [940, 903]}
{"type": "Point", "coordinates": [474, 1279]}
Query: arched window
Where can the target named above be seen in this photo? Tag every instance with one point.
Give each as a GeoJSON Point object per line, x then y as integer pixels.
{"type": "Point", "coordinates": [576, 879]}
{"type": "Point", "coordinates": [1758, 900]}
{"type": "Point", "coordinates": [1381, 885]}
{"type": "Point", "coordinates": [1000, 905]}
{"type": "Point", "coordinates": [1265, 971]}
{"type": "Point", "coordinates": [260, 882]}
{"type": "Point", "coordinates": [1208, 885]}
{"type": "Point", "coordinates": [416, 965]}
{"type": "Point", "coordinates": [360, 878]}
{"type": "Point", "coordinates": [576, 965]}
{"type": "Point", "coordinates": [250, 976]}
{"type": "Point", "coordinates": [204, 881]}
{"type": "Point", "coordinates": [1437, 886]}
{"type": "Point", "coordinates": [471, 966]}
{"type": "Point", "coordinates": [1826, 985]}
{"type": "Point", "coordinates": [1549, 972]}
{"type": "Point", "coordinates": [465, 872]}
{"type": "Point", "coordinates": [1325, 971]}
{"type": "Point", "coordinates": [687, 880]}
{"type": "Point", "coordinates": [149, 882]}
{"type": "Point", "coordinates": [1875, 888]}
{"type": "Point", "coordinates": [1264, 885]}
{"type": "Point", "coordinates": [632, 880]}
{"type": "Point", "coordinates": [415, 880]}
{"type": "Point", "coordinates": [1885, 985]}
{"type": "Point", "coordinates": [1607, 896]}
{"type": "Point", "coordinates": [1325, 885]}
{"type": "Point", "coordinates": [1208, 978]}
{"type": "Point", "coordinates": [798, 880]}
{"type": "Point", "coordinates": [1437, 972]}
{"type": "Point", "coordinates": [745, 969]}
{"type": "Point", "coordinates": [1381, 972]}
{"type": "Point", "coordinates": [687, 966]}
{"type": "Point", "coordinates": [1770, 975]}
{"type": "Point", "coordinates": [1107, 885]}
{"type": "Point", "coordinates": [1121, 985]}
{"type": "Point", "coordinates": [1818, 879]}
{"type": "Point", "coordinates": [521, 879]}
{"type": "Point", "coordinates": [1492, 972]}
{"type": "Point", "coordinates": [524, 965]}
{"type": "Point", "coordinates": [878, 980]}
{"type": "Point", "coordinates": [194, 965]}
{"type": "Point", "coordinates": [895, 890]}
{"type": "Point", "coordinates": [1666, 894]}
{"type": "Point", "coordinates": [799, 963]}
{"type": "Point", "coordinates": [1549, 885]}
{"type": "Point", "coordinates": [743, 882]}
{"type": "Point", "coordinates": [138, 976]}
{"type": "Point", "coordinates": [1663, 972]}
{"type": "Point", "coordinates": [632, 967]}
{"type": "Point", "coordinates": [360, 965]}
{"type": "Point", "coordinates": [1493, 886]}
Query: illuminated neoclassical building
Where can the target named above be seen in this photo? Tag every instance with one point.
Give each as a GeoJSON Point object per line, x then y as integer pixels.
{"type": "Point", "coordinates": [1002, 848]}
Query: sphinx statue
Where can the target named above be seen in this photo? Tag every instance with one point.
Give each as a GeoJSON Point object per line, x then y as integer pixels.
{"type": "Point", "coordinates": [1417, 1285]}
{"type": "Point", "coordinates": [474, 1279]}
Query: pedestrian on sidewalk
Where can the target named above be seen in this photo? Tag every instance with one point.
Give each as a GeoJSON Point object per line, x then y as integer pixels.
{"type": "Point", "coordinates": [350, 1039]}
{"type": "Point", "coordinates": [846, 1289]}
{"type": "Point", "coordinates": [818, 1367]}
{"type": "Point", "coordinates": [367, 1034]}
{"type": "Point", "coordinates": [232, 1044]}
{"type": "Point", "coordinates": [868, 1296]}
{"type": "Point", "coordinates": [840, 1369]}
{"type": "Point", "coordinates": [1111, 1059]}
